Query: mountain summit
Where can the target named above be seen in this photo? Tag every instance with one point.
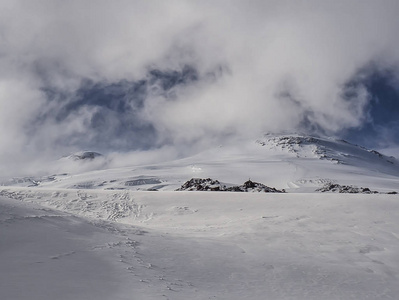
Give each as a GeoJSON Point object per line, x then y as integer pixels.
{"type": "Point", "coordinates": [84, 155]}
{"type": "Point", "coordinates": [338, 151]}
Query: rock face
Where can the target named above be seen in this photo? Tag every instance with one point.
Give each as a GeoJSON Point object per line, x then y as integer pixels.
{"type": "Point", "coordinates": [251, 186]}
{"type": "Point", "coordinates": [85, 155]}
{"type": "Point", "coordinates": [199, 184]}
{"type": "Point", "coordinates": [337, 188]}
{"type": "Point", "coordinates": [208, 184]}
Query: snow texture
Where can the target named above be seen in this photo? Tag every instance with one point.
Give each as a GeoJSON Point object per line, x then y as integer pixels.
{"type": "Point", "coordinates": [103, 235]}
{"type": "Point", "coordinates": [183, 245]}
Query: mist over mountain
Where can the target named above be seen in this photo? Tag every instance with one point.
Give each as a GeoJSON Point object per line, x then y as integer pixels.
{"type": "Point", "coordinates": [199, 149]}
{"type": "Point", "coordinates": [135, 78]}
{"type": "Point", "coordinates": [293, 163]}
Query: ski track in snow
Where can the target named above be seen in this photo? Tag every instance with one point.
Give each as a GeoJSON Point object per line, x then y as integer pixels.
{"type": "Point", "coordinates": [111, 207]}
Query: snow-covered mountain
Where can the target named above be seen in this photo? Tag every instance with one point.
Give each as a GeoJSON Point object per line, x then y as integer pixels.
{"type": "Point", "coordinates": [107, 234]}
{"type": "Point", "coordinates": [295, 163]}
{"type": "Point", "coordinates": [339, 151]}
{"type": "Point", "coordinates": [84, 155]}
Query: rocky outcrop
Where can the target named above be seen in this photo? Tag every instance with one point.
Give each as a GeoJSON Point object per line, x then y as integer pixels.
{"type": "Point", "coordinates": [337, 188]}
{"type": "Point", "coordinates": [199, 184]}
{"type": "Point", "coordinates": [85, 155]}
{"type": "Point", "coordinates": [208, 184]}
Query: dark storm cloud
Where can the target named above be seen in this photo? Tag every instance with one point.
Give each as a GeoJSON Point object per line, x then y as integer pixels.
{"type": "Point", "coordinates": [126, 75]}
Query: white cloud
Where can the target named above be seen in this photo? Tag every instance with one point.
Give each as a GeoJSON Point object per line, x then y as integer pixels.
{"type": "Point", "coordinates": [263, 65]}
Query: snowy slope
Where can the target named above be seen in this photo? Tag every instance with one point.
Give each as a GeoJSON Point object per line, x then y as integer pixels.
{"type": "Point", "coordinates": [294, 163]}
{"type": "Point", "coordinates": [48, 254]}
{"type": "Point", "coordinates": [95, 235]}
{"type": "Point", "coordinates": [75, 244]}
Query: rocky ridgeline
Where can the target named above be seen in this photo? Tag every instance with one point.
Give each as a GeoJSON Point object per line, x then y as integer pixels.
{"type": "Point", "coordinates": [85, 155]}
{"type": "Point", "coordinates": [337, 151]}
{"type": "Point", "coordinates": [293, 143]}
{"type": "Point", "coordinates": [208, 184]}
{"type": "Point", "coordinates": [199, 184]}
{"type": "Point", "coordinates": [337, 188]}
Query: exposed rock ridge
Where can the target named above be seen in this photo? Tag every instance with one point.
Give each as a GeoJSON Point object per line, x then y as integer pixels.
{"type": "Point", "coordinates": [208, 184]}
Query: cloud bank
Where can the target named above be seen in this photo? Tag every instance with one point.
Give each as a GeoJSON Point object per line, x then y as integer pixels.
{"type": "Point", "coordinates": [129, 76]}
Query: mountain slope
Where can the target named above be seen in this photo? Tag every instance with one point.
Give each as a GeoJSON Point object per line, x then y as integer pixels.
{"type": "Point", "coordinates": [292, 162]}
{"type": "Point", "coordinates": [80, 239]}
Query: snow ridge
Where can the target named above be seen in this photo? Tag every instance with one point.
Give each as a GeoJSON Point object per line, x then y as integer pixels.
{"type": "Point", "coordinates": [339, 151]}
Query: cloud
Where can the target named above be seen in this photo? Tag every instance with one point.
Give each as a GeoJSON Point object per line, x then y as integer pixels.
{"type": "Point", "coordinates": [381, 126]}
{"type": "Point", "coordinates": [138, 75]}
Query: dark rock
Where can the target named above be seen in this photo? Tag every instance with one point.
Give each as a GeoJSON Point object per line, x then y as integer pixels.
{"type": "Point", "coordinates": [198, 184]}
{"type": "Point", "coordinates": [337, 188]}
{"type": "Point", "coordinates": [85, 155]}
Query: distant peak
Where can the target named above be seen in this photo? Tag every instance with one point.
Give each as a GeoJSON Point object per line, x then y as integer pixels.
{"type": "Point", "coordinates": [85, 155]}
{"type": "Point", "coordinates": [326, 148]}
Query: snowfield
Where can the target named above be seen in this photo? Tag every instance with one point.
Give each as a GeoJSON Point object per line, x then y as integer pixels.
{"type": "Point", "coordinates": [127, 234]}
{"type": "Point", "coordinates": [75, 244]}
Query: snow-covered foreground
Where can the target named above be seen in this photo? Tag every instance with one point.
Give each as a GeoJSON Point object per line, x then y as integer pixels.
{"type": "Point", "coordinates": [97, 244]}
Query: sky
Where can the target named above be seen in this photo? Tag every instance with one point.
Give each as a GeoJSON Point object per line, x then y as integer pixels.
{"type": "Point", "coordinates": [154, 80]}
